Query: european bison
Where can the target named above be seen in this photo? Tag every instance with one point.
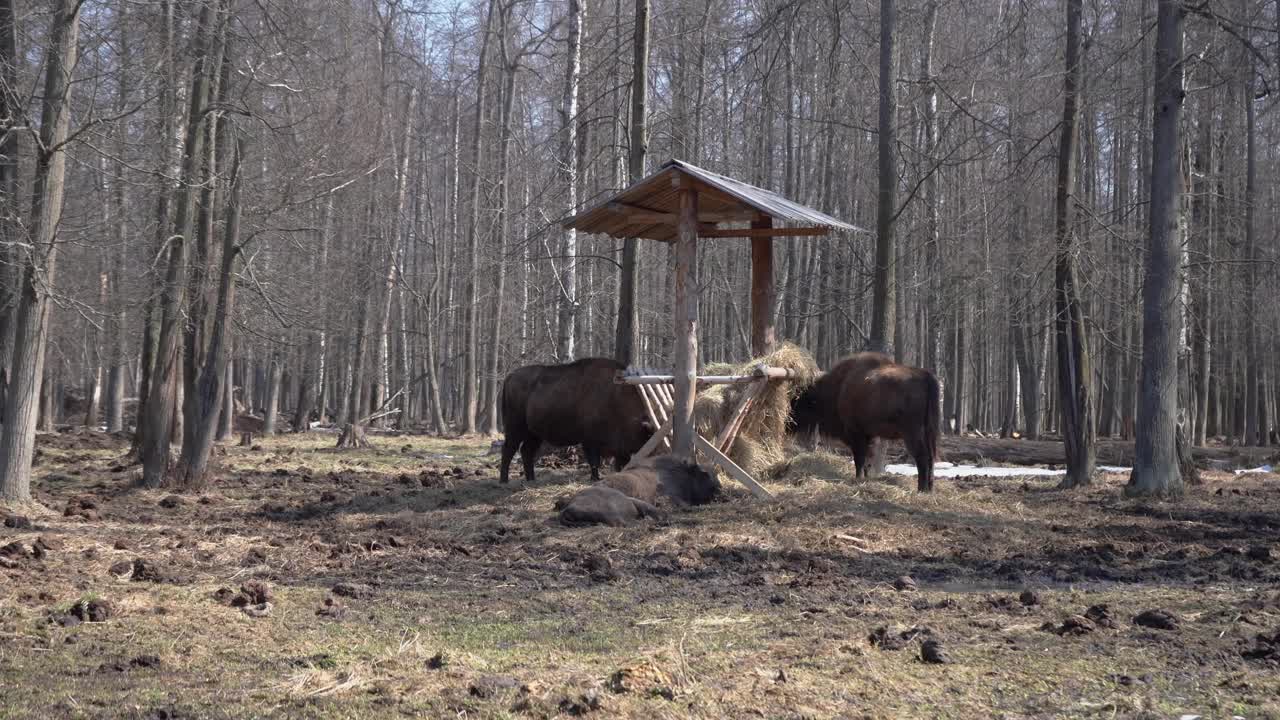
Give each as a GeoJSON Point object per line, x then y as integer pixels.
{"type": "Point", "coordinates": [637, 492]}
{"type": "Point", "coordinates": [601, 505]}
{"type": "Point", "coordinates": [573, 404]}
{"type": "Point", "coordinates": [868, 396]}
{"type": "Point", "coordinates": [683, 483]}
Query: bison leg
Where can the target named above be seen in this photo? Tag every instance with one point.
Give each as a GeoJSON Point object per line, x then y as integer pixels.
{"type": "Point", "coordinates": [645, 510]}
{"type": "Point", "coordinates": [593, 459]}
{"type": "Point", "coordinates": [529, 454]}
{"type": "Point", "coordinates": [923, 455]}
{"type": "Point", "coordinates": [620, 461]}
{"type": "Point", "coordinates": [858, 444]}
{"type": "Point", "coordinates": [508, 452]}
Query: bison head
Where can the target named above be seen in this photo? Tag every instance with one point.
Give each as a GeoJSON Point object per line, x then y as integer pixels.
{"type": "Point", "coordinates": [806, 412]}
{"type": "Point", "coordinates": [701, 487]}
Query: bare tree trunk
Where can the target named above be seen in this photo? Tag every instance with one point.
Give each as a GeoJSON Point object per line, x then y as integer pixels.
{"type": "Point", "coordinates": [1155, 468]}
{"type": "Point", "coordinates": [306, 395]}
{"type": "Point", "coordinates": [118, 325]}
{"type": "Point", "coordinates": [93, 394]}
{"type": "Point", "coordinates": [882, 313]}
{"type": "Point", "coordinates": [628, 318]}
{"type": "Point", "coordinates": [165, 131]}
{"type": "Point", "coordinates": [471, 330]}
{"type": "Point", "coordinates": [961, 375]}
{"type": "Point", "coordinates": [569, 181]}
{"type": "Point", "coordinates": [226, 420]}
{"type": "Point", "coordinates": [248, 379]}
{"type": "Point", "coordinates": [312, 388]}
{"type": "Point", "coordinates": [929, 127]}
{"type": "Point", "coordinates": [269, 416]}
{"type": "Point", "coordinates": [1028, 380]}
{"type": "Point", "coordinates": [353, 432]}
{"type": "Point", "coordinates": [48, 414]}
{"type": "Point", "coordinates": [503, 230]}
{"type": "Point", "coordinates": [1074, 376]}
{"type": "Point", "coordinates": [38, 259]}
{"type": "Point", "coordinates": [158, 418]}
{"type": "Point", "coordinates": [394, 254]}
{"type": "Point", "coordinates": [1201, 278]}
{"type": "Point", "coordinates": [11, 108]}
{"type": "Point", "coordinates": [1253, 433]}
{"type": "Point", "coordinates": [1009, 412]}
{"type": "Point", "coordinates": [200, 305]}
{"type": "Point", "coordinates": [120, 228]}
{"type": "Point", "coordinates": [210, 387]}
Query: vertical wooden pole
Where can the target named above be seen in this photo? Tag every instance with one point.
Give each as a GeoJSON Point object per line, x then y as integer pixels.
{"type": "Point", "coordinates": [763, 336]}
{"type": "Point", "coordinates": [686, 321]}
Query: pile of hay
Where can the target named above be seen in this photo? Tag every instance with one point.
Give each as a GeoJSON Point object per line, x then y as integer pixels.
{"type": "Point", "coordinates": [811, 465]}
{"type": "Point", "coordinates": [762, 438]}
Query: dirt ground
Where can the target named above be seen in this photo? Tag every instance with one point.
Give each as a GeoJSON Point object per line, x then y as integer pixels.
{"type": "Point", "coordinates": [405, 582]}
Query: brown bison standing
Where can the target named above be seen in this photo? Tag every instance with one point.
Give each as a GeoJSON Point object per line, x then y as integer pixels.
{"type": "Point", "coordinates": [573, 404]}
{"type": "Point", "coordinates": [868, 396]}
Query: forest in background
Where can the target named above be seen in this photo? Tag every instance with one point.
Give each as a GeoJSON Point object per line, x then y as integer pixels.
{"type": "Point", "coordinates": [345, 208]}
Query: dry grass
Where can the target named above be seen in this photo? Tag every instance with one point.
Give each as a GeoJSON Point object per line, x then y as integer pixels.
{"type": "Point", "coordinates": [737, 609]}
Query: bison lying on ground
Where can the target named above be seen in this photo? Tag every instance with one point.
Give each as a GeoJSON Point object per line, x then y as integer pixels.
{"type": "Point", "coordinates": [602, 505]}
{"type": "Point", "coordinates": [682, 482]}
{"type": "Point", "coordinates": [868, 396]}
{"type": "Point", "coordinates": [635, 493]}
{"type": "Point", "coordinates": [573, 404]}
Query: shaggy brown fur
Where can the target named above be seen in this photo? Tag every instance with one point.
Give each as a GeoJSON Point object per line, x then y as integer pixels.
{"type": "Point", "coordinates": [600, 505]}
{"type": "Point", "coordinates": [666, 477]}
{"type": "Point", "coordinates": [868, 396]}
{"type": "Point", "coordinates": [573, 404]}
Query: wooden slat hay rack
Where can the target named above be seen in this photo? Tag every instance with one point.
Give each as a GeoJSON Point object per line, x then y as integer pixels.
{"type": "Point", "coordinates": [656, 392]}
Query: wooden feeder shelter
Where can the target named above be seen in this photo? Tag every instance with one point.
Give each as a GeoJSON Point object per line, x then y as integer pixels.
{"type": "Point", "coordinates": [680, 203]}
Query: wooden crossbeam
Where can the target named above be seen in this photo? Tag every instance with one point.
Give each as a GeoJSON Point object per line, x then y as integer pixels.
{"type": "Point", "coordinates": [637, 214]}
{"type": "Point", "coordinates": [763, 232]}
{"type": "Point", "coordinates": [650, 377]}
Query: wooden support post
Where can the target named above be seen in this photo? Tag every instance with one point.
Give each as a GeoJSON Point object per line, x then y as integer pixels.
{"type": "Point", "coordinates": [685, 327]}
{"type": "Point", "coordinates": [763, 335]}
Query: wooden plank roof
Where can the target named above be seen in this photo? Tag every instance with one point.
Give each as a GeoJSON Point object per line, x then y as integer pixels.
{"type": "Point", "coordinates": [647, 208]}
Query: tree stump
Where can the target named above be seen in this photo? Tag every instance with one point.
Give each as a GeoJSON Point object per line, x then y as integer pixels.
{"type": "Point", "coordinates": [353, 437]}
{"type": "Point", "coordinates": [246, 439]}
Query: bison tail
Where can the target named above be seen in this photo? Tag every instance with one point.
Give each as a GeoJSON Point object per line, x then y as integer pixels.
{"type": "Point", "coordinates": [933, 415]}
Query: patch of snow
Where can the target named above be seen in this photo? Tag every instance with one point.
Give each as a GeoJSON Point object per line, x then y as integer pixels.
{"type": "Point", "coordinates": [946, 469]}
{"type": "Point", "coordinates": [1265, 469]}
